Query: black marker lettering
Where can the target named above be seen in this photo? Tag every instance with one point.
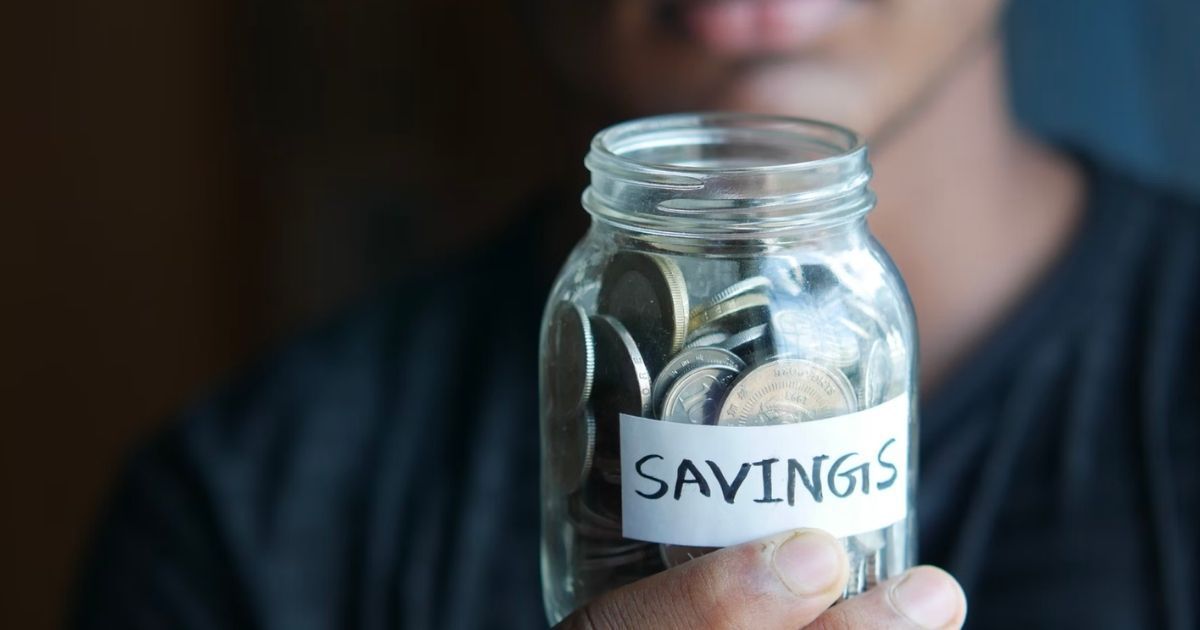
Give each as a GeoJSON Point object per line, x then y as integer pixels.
{"type": "Point", "coordinates": [884, 485]}
{"type": "Point", "coordinates": [662, 485]}
{"type": "Point", "coordinates": [766, 470]}
{"type": "Point", "coordinates": [685, 467]}
{"type": "Point", "coordinates": [729, 490]}
{"type": "Point", "coordinates": [813, 485]}
{"type": "Point", "coordinates": [851, 482]}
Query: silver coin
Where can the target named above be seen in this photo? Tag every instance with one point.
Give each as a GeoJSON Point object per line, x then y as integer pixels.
{"type": "Point", "coordinates": [816, 278]}
{"type": "Point", "coordinates": [786, 391]}
{"type": "Point", "coordinates": [647, 293]}
{"type": "Point", "coordinates": [744, 311]}
{"type": "Point", "coordinates": [805, 333]}
{"type": "Point", "coordinates": [675, 555]}
{"type": "Point", "coordinates": [843, 343]}
{"type": "Point", "coordinates": [753, 338]}
{"type": "Point", "coordinates": [618, 547]}
{"type": "Point", "coordinates": [786, 280]}
{"type": "Point", "coordinates": [696, 396]}
{"type": "Point", "coordinates": [796, 326]}
{"type": "Point", "coordinates": [571, 367]}
{"type": "Point", "coordinates": [688, 360]}
{"type": "Point", "coordinates": [572, 446]}
{"type": "Point", "coordinates": [865, 313]}
{"type": "Point", "coordinates": [872, 569]}
{"type": "Point", "coordinates": [589, 521]}
{"type": "Point", "coordinates": [714, 338]}
{"type": "Point", "coordinates": [622, 382]}
{"type": "Point", "coordinates": [869, 542]}
{"type": "Point", "coordinates": [641, 554]}
{"type": "Point", "coordinates": [608, 467]}
{"type": "Point", "coordinates": [757, 284]}
{"type": "Point", "coordinates": [877, 374]}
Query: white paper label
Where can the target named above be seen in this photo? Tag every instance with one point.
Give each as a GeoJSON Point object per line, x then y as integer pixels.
{"type": "Point", "coordinates": [714, 486]}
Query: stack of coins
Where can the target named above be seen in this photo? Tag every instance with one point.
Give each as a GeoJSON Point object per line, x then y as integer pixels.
{"type": "Point", "coordinates": [768, 349]}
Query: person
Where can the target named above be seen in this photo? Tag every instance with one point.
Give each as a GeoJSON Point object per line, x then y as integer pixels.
{"type": "Point", "coordinates": [382, 472]}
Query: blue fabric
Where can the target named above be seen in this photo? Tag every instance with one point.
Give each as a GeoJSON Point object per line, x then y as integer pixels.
{"type": "Point", "coordinates": [1118, 79]}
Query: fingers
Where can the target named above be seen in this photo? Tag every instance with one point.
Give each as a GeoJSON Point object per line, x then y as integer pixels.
{"type": "Point", "coordinates": [924, 597]}
{"type": "Point", "coordinates": [784, 581]}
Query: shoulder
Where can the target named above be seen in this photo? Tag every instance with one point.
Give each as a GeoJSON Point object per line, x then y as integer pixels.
{"type": "Point", "coordinates": [254, 495]}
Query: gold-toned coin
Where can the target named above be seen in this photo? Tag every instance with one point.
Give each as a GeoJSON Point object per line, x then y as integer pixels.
{"type": "Point", "coordinates": [743, 309]}
{"type": "Point", "coordinates": [647, 293]}
{"type": "Point", "coordinates": [756, 284]}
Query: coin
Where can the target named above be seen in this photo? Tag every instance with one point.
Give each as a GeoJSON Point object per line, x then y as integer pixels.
{"type": "Point", "coordinates": [572, 361]}
{"type": "Point", "coordinates": [589, 522]}
{"type": "Point", "coordinates": [816, 278]}
{"type": "Point", "coordinates": [841, 345]}
{"type": "Point", "coordinates": [622, 382]}
{"type": "Point", "coordinates": [756, 284]}
{"type": "Point", "coordinates": [615, 547]}
{"type": "Point", "coordinates": [786, 391]}
{"type": "Point", "coordinates": [869, 542]}
{"type": "Point", "coordinates": [714, 338]}
{"type": "Point", "coordinates": [877, 374]}
{"type": "Point", "coordinates": [641, 553]}
{"type": "Point", "coordinates": [675, 555]}
{"type": "Point", "coordinates": [647, 293]}
{"type": "Point", "coordinates": [752, 340]}
{"type": "Point", "coordinates": [801, 332]}
{"type": "Point", "coordinates": [573, 444]}
{"type": "Point", "coordinates": [695, 397]}
{"type": "Point", "coordinates": [687, 360]}
{"type": "Point", "coordinates": [744, 310]}
{"type": "Point", "coordinates": [864, 313]}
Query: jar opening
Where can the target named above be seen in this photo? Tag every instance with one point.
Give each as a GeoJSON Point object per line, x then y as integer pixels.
{"type": "Point", "coordinates": [723, 142]}
{"type": "Point", "coordinates": [726, 174]}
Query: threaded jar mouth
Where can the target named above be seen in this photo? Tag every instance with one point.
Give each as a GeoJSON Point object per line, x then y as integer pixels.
{"type": "Point", "coordinates": [727, 175]}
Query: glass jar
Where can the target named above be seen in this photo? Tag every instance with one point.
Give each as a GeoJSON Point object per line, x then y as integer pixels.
{"type": "Point", "coordinates": [727, 354]}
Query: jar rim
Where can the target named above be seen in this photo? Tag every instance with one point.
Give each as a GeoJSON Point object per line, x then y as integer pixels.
{"type": "Point", "coordinates": [619, 143]}
{"type": "Point", "coordinates": [727, 175]}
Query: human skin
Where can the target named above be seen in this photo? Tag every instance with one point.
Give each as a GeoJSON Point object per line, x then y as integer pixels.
{"type": "Point", "coordinates": [785, 581]}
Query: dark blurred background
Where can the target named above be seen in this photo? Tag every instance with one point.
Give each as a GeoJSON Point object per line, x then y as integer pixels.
{"type": "Point", "coordinates": [188, 183]}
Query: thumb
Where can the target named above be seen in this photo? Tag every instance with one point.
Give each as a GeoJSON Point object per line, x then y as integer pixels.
{"type": "Point", "coordinates": [784, 581]}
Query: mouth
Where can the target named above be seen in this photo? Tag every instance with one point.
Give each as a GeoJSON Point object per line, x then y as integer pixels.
{"type": "Point", "coordinates": [743, 28]}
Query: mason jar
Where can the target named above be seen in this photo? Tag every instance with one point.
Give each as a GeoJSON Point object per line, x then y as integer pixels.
{"type": "Point", "coordinates": [727, 354]}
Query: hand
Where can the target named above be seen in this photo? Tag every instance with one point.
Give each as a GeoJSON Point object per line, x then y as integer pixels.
{"type": "Point", "coordinates": [785, 581]}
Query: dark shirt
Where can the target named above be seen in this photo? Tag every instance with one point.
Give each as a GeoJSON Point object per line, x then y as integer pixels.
{"type": "Point", "coordinates": [383, 473]}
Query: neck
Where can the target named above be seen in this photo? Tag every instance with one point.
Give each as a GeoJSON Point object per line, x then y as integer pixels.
{"type": "Point", "coordinates": [972, 211]}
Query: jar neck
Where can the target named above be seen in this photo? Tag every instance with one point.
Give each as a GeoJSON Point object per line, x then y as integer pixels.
{"type": "Point", "coordinates": [852, 233]}
{"type": "Point", "coordinates": [727, 177]}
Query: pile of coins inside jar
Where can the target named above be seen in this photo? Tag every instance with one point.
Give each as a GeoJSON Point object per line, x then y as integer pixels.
{"type": "Point", "coordinates": [779, 345]}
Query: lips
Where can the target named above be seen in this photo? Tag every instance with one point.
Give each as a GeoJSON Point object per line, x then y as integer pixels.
{"type": "Point", "coordinates": [749, 27]}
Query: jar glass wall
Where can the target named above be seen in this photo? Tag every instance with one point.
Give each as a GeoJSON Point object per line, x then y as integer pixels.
{"type": "Point", "coordinates": [729, 288]}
